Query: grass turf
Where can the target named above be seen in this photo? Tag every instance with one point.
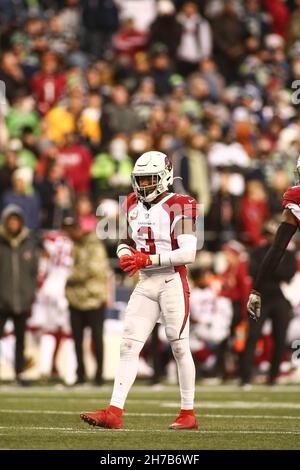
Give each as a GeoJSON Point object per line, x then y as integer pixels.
{"type": "Point", "coordinates": [229, 418]}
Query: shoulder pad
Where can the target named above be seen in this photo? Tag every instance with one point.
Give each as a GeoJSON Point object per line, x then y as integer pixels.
{"type": "Point", "coordinates": [291, 195]}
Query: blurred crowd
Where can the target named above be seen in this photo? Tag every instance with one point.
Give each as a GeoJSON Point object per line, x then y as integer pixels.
{"type": "Point", "coordinates": [92, 84]}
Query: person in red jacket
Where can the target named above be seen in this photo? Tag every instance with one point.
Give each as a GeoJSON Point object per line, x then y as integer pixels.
{"type": "Point", "coordinates": [253, 212]}
{"type": "Point", "coordinates": [48, 85]}
{"type": "Point", "coordinates": [76, 160]}
{"type": "Point", "coordinates": [236, 285]}
{"type": "Point", "coordinates": [128, 41]}
{"type": "Point", "coordinates": [236, 282]}
{"type": "Point", "coordinates": [280, 16]}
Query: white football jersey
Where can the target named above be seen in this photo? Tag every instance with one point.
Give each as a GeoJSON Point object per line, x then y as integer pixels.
{"type": "Point", "coordinates": [59, 249]}
{"type": "Point", "coordinates": [152, 228]}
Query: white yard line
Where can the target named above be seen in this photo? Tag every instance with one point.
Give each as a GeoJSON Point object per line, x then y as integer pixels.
{"type": "Point", "coordinates": [173, 404]}
{"type": "Point", "coordinates": [210, 416]}
{"type": "Point", "coordinates": [61, 389]}
{"type": "Point", "coordinates": [153, 431]}
{"type": "Point", "coordinates": [238, 404]}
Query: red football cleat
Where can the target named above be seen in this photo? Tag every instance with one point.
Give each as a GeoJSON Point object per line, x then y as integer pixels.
{"type": "Point", "coordinates": [185, 420]}
{"type": "Point", "coordinates": [103, 418]}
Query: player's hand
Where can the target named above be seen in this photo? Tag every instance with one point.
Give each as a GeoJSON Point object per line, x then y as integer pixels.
{"type": "Point", "coordinates": [136, 262]}
{"type": "Point", "coordinates": [254, 305]}
{"type": "Point", "coordinates": [125, 261]}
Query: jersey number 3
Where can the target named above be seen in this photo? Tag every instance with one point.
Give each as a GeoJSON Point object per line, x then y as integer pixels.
{"type": "Point", "coordinates": [148, 237]}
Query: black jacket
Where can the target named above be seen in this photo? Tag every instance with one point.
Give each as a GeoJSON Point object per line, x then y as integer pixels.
{"type": "Point", "coordinates": [284, 272]}
{"type": "Point", "coordinates": [18, 271]}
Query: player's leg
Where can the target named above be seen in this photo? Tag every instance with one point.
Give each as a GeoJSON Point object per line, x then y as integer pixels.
{"type": "Point", "coordinates": [280, 315]}
{"type": "Point", "coordinates": [140, 317]}
{"type": "Point", "coordinates": [95, 319]}
{"type": "Point", "coordinates": [3, 319]}
{"type": "Point", "coordinates": [174, 302]}
{"type": "Point", "coordinates": [20, 327]}
{"type": "Point", "coordinates": [78, 324]}
{"type": "Point", "coordinates": [47, 348]}
{"type": "Point", "coordinates": [247, 358]}
{"type": "Point", "coordinates": [48, 339]}
{"type": "Point", "coordinates": [68, 371]}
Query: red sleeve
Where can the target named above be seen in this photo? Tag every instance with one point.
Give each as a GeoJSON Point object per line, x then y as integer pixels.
{"type": "Point", "coordinates": [129, 202]}
{"type": "Point", "coordinates": [182, 205]}
{"type": "Point", "coordinates": [280, 16]}
{"type": "Point", "coordinates": [291, 195]}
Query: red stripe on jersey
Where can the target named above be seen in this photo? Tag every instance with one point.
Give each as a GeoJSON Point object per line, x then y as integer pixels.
{"type": "Point", "coordinates": [129, 203]}
{"type": "Point", "coordinates": [186, 294]}
{"type": "Point", "coordinates": [292, 195]}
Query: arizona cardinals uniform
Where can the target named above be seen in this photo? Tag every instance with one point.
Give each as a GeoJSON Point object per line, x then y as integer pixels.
{"type": "Point", "coordinates": [164, 242]}
{"type": "Point", "coordinates": [162, 292]}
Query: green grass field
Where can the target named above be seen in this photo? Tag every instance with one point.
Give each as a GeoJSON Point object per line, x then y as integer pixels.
{"type": "Point", "coordinates": [48, 418]}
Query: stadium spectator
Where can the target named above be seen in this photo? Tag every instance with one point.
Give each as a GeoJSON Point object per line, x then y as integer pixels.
{"type": "Point", "coordinates": [18, 272]}
{"type": "Point", "coordinates": [222, 219]}
{"type": "Point", "coordinates": [100, 20]}
{"type": "Point", "coordinates": [9, 165]}
{"type": "Point", "coordinates": [165, 29]}
{"type": "Point", "coordinates": [111, 170]}
{"type": "Point", "coordinates": [128, 41]}
{"type": "Point", "coordinates": [76, 160]}
{"type": "Point", "coordinates": [161, 69]}
{"type": "Point", "coordinates": [275, 306]}
{"type": "Point", "coordinates": [280, 16]}
{"type": "Point", "coordinates": [211, 317]}
{"type": "Point", "coordinates": [85, 213]}
{"type": "Point", "coordinates": [229, 40]}
{"type": "Point", "coordinates": [253, 212]}
{"type": "Point", "coordinates": [86, 291]}
{"type": "Point", "coordinates": [56, 196]}
{"type": "Point", "coordinates": [11, 74]}
{"type": "Point", "coordinates": [48, 85]}
{"type": "Point", "coordinates": [195, 41]}
{"type": "Point", "coordinates": [118, 116]}
{"type": "Point", "coordinates": [22, 114]}
{"type": "Point", "coordinates": [141, 11]}
{"type": "Point", "coordinates": [23, 195]}
{"type": "Point", "coordinates": [257, 24]}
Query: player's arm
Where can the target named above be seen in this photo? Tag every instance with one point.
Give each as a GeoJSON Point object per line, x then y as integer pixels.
{"type": "Point", "coordinates": [124, 248]}
{"type": "Point", "coordinates": [185, 235]}
{"type": "Point", "coordinates": [184, 231]}
{"type": "Point", "coordinates": [286, 230]}
{"type": "Point", "coordinates": [124, 245]}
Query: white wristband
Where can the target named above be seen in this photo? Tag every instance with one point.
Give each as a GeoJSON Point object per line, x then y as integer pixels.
{"type": "Point", "coordinates": [123, 249]}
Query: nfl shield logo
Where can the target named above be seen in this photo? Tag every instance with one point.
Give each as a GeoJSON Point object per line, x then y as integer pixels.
{"type": "Point", "coordinates": [133, 215]}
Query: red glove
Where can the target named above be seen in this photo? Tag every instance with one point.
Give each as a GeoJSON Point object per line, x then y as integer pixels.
{"type": "Point", "coordinates": [134, 263]}
{"type": "Point", "coordinates": [125, 261]}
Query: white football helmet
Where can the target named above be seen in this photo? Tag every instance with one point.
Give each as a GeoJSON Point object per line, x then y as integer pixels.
{"type": "Point", "coordinates": [157, 165]}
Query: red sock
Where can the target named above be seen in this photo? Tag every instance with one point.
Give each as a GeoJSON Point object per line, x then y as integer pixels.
{"type": "Point", "coordinates": [187, 412]}
{"type": "Point", "coordinates": [117, 411]}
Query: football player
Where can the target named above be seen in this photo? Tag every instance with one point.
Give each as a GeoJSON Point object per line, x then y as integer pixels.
{"type": "Point", "coordinates": [288, 227]}
{"type": "Point", "coordinates": [52, 306]}
{"type": "Point", "coordinates": [161, 241]}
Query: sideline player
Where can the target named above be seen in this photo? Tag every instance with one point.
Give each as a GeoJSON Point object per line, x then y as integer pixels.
{"type": "Point", "coordinates": [288, 227]}
{"type": "Point", "coordinates": [161, 225]}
